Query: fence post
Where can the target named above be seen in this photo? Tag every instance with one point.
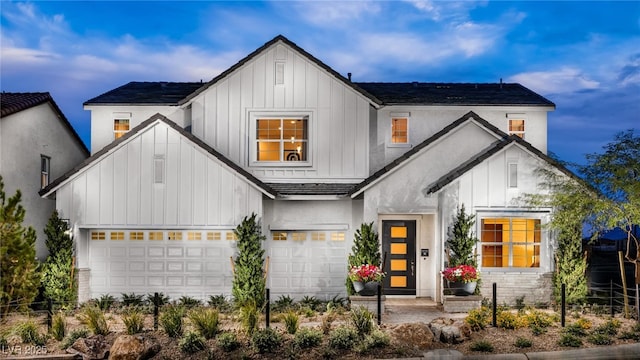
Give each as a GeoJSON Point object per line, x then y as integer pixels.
{"type": "Point", "coordinates": [611, 297]}
{"type": "Point", "coordinates": [155, 311]}
{"type": "Point", "coordinates": [563, 304]}
{"type": "Point", "coordinates": [268, 308]}
{"type": "Point", "coordinates": [379, 303]}
{"type": "Point", "coordinates": [494, 304]}
{"type": "Point", "coordinates": [49, 313]}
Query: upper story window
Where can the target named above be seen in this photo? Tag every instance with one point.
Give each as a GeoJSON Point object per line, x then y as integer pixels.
{"type": "Point", "coordinates": [45, 170]}
{"type": "Point", "coordinates": [399, 135]}
{"type": "Point", "coordinates": [282, 140]}
{"type": "Point", "coordinates": [510, 242]}
{"type": "Point", "coordinates": [516, 127]}
{"type": "Point", "coordinates": [121, 124]}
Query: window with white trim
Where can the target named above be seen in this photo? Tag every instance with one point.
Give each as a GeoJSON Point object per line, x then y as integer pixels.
{"type": "Point", "coordinates": [45, 170]}
{"type": "Point", "coordinates": [400, 130]}
{"type": "Point", "coordinates": [121, 124]}
{"type": "Point", "coordinates": [281, 140]}
{"type": "Point", "coordinates": [516, 127]}
{"type": "Point", "coordinates": [511, 242]}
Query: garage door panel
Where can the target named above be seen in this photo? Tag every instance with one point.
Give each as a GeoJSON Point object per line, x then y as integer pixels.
{"type": "Point", "coordinates": [155, 252]}
{"type": "Point", "coordinates": [155, 266]}
{"type": "Point", "coordinates": [155, 281]}
{"type": "Point", "coordinates": [211, 281]}
{"type": "Point", "coordinates": [175, 281]}
{"type": "Point", "coordinates": [194, 252]}
{"type": "Point", "coordinates": [118, 266]}
{"type": "Point", "coordinates": [194, 281]}
{"type": "Point", "coordinates": [136, 252]}
{"type": "Point", "coordinates": [213, 267]}
{"type": "Point", "coordinates": [117, 252]}
{"type": "Point", "coordinates": [175, 252]}
{"type": "Point", "coordinates": [136, 266]}
{"type": "Point", "coordinates": [136, 281]}
{"type": "Point", "coordinates": [118, 280]}
{"type": "Point", "coordinates": [194, 266]}
{"type": "Point", "coordinates": [175, 266]}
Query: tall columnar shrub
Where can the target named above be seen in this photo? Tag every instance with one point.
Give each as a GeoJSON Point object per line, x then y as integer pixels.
{"type": "Point", "coordinates": [249, 281]}
{"type": "Point", "coordinates": [19, 273]}
{"type": "Point", "coordinates": [571, 266]}
{"type": "Point", "coordinates": [58, 280]}
{"type": "Point", "coordinates": [461, 242]}
{"type": "Point", "coordinates": [365, 250]}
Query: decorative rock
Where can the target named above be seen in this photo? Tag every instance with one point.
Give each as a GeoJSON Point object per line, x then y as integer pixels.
{"type": "Point", "coordinates": [450, 331]}
{"type": "Point", "coordinates": [133, 347]}
{"type": "Point", "coordinates": [92, 348]}
{"type": "Point", "coordinates": [416, 335]}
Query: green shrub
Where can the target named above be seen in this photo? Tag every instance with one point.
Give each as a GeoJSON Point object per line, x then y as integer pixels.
{"type": "Point", "coordinates": [508, 320]}
{"type": "Point", "coordinates": [105, 302]}
{"type": "Point", "coordinates": [376, 339]}
{"type": "Point", "coordinates": [284, 303]}
{"type": "Point", "coordinates": [481, 345]}
{"type": "Point", "coordinates": [265, 340]}
{"type": "Point", "coordinates": [132, 299]}
{"type": "Point", "coordinates": [291, 322]}
{"type": "Point", "coordinates": [570, 340]}
{"type": "Point", "coordinates": [249, 317]}
{"type": "Point", "coordinates": [629, 335]}
{"type": "Point", "coordinates": [307, 338]}
{"type": "Point", "coordinates": [228, 341]}
{"type": "Point", "coordinates": [73, 336]}
{"type": "Point", "coordinates": [133, 320]}
{"type": "Point", "coordinates": [337, 303]}
{"type": "Point", "coordinates": [94, 318]}
{"type": "Point", "coordinates": [610, 327]}
{"type": "Point", "coordinates": [539, 318]}
{"type": "Point", "coordinates": [249, 282]}
{"type": "Point", "coordinates": [327, 320]}
{"type": "Point", "coordinates": [189, 302]}
{"type": "Point", "coordinates": [575, 329]}
{"type": "Point", "coordinates": [29, 334]}
{"type": "Point", "coordinates": [523, 343]}
{"type": "Point", "coordinates": [205, 321]}
{"type": "Point", "coordinates": [537, 329]}
{"type": "Point", "coordinates": [583, 323]}
{"type": "Point", "coordinates": [158, 299]}
{"type": "Point", "coordinates": [600, 339]}
{"type": "Point", "coordinates": [171, 320]}
{"type": "Point", "coordinates": [478, 319]}
{"type": "Point", "coordinates": [58, 326]}
{"type": "Point", "coordinates": [343, 337]}
{"type": "Point", "coordinates": [362, 320]}
{"type": "Point", "coordinates": [311, 302]}
{"type": "Point", "coordinates": [191, 343]}
{"type": "Point", "coordinates": [219, 302]}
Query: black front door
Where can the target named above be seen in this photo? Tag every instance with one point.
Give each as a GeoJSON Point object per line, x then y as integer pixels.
{"type": "Point", "coordinates": [399, 252]}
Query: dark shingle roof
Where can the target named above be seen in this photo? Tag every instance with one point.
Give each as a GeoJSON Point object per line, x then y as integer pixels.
{"type": "Point", "coordinates": [312, 188]}
{"type": "Point", "coordinates": [418, 93]}
{"type": "Point", "coordinates": [11, 103]}
{"type": "Point", "coordinates": [149, 93]}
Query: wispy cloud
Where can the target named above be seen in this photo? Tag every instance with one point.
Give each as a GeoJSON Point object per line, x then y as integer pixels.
{"type": "Point", "coordinates": [566, 79]}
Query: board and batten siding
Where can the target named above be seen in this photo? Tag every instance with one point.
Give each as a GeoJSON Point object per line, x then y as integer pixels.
{"type": "Point", "coordinates": [119, 189]}
{"type": "Point", "coordinates": [339, 116]}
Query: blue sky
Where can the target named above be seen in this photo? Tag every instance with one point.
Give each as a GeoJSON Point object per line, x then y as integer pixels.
{"type": "Point", "coordinates": [583, 56]}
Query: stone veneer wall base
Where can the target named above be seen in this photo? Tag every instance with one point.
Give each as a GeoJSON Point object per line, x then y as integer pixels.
{"type": "Point", "coordinates": [83, 277]}
{"type": "Point", "coordinates": [461, 304]}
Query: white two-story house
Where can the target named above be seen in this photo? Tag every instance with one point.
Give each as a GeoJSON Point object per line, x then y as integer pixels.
{"type": "Point", "coordinates": [176, 166]}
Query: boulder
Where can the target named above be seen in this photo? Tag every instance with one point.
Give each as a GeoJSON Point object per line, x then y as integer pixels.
{"type": "Point", "coordinates": [416, 335]}
{"type": "Point", "coordinates": [133, 347]}
{"type": "Point", "coordinates": [92, 348]}
{"type": "Point", "coordinates": [450, 331]}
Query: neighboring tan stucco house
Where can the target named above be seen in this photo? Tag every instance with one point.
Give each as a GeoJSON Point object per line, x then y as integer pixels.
{"type": "Point", "coordinates": [176, 166]}
{"type": "Point", "coordinates": [37, 145]}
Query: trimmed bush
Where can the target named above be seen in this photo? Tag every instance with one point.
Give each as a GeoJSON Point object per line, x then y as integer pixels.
{"type": "Point", "coordinates": [189, 302]}
{"type": "Point", "coordinates": [219, 302]}
{"type": "Point", "coordinates": [570, 340]}
{"type": "Point", "coordinates": [343, 337]}
{"type": "Point", "coordinates": [307, 338]}
{"type": "Point", "coordinates": [509, 320]}
{"type": "Point", "coordinates": [376, 339]}
{"type": "Point", "coordinates": [600, 339]}
{"type": "Point", "coordinates": [265, 340]}
{"type": "Point", "coordinates": [523, 343]}
{"type": "Point", "coordinates": [478, 319]}
{"type": "Point", "coordinates": [249, 317]}
{"type": "Point", "coordinates": [132, 299]}
{"type": "Point", "coordinates": [105, 302]}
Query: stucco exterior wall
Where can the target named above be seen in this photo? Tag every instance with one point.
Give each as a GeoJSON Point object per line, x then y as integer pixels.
{"type": "Point", "coordinates": [25, 136]}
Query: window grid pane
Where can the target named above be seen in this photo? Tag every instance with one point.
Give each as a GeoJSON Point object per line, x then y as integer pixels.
{"type": "Point", "coordinates": [399, 130]}
{"type": "Point", "coordinates": [282, 139]}
{"type": "Point", "coordinates": [511, 242]}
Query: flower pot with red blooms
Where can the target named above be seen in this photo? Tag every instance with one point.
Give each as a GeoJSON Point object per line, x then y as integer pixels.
{"type": "Point", "coordinates": [462, 279]}
{"type": "Point", "coordinates": [366, 278]}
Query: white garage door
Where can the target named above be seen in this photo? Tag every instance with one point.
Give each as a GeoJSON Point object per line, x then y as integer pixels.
{"type": "Point", "coordinates": [310, 263]}
{"type": "Point", "coordinates": [193, 263]}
